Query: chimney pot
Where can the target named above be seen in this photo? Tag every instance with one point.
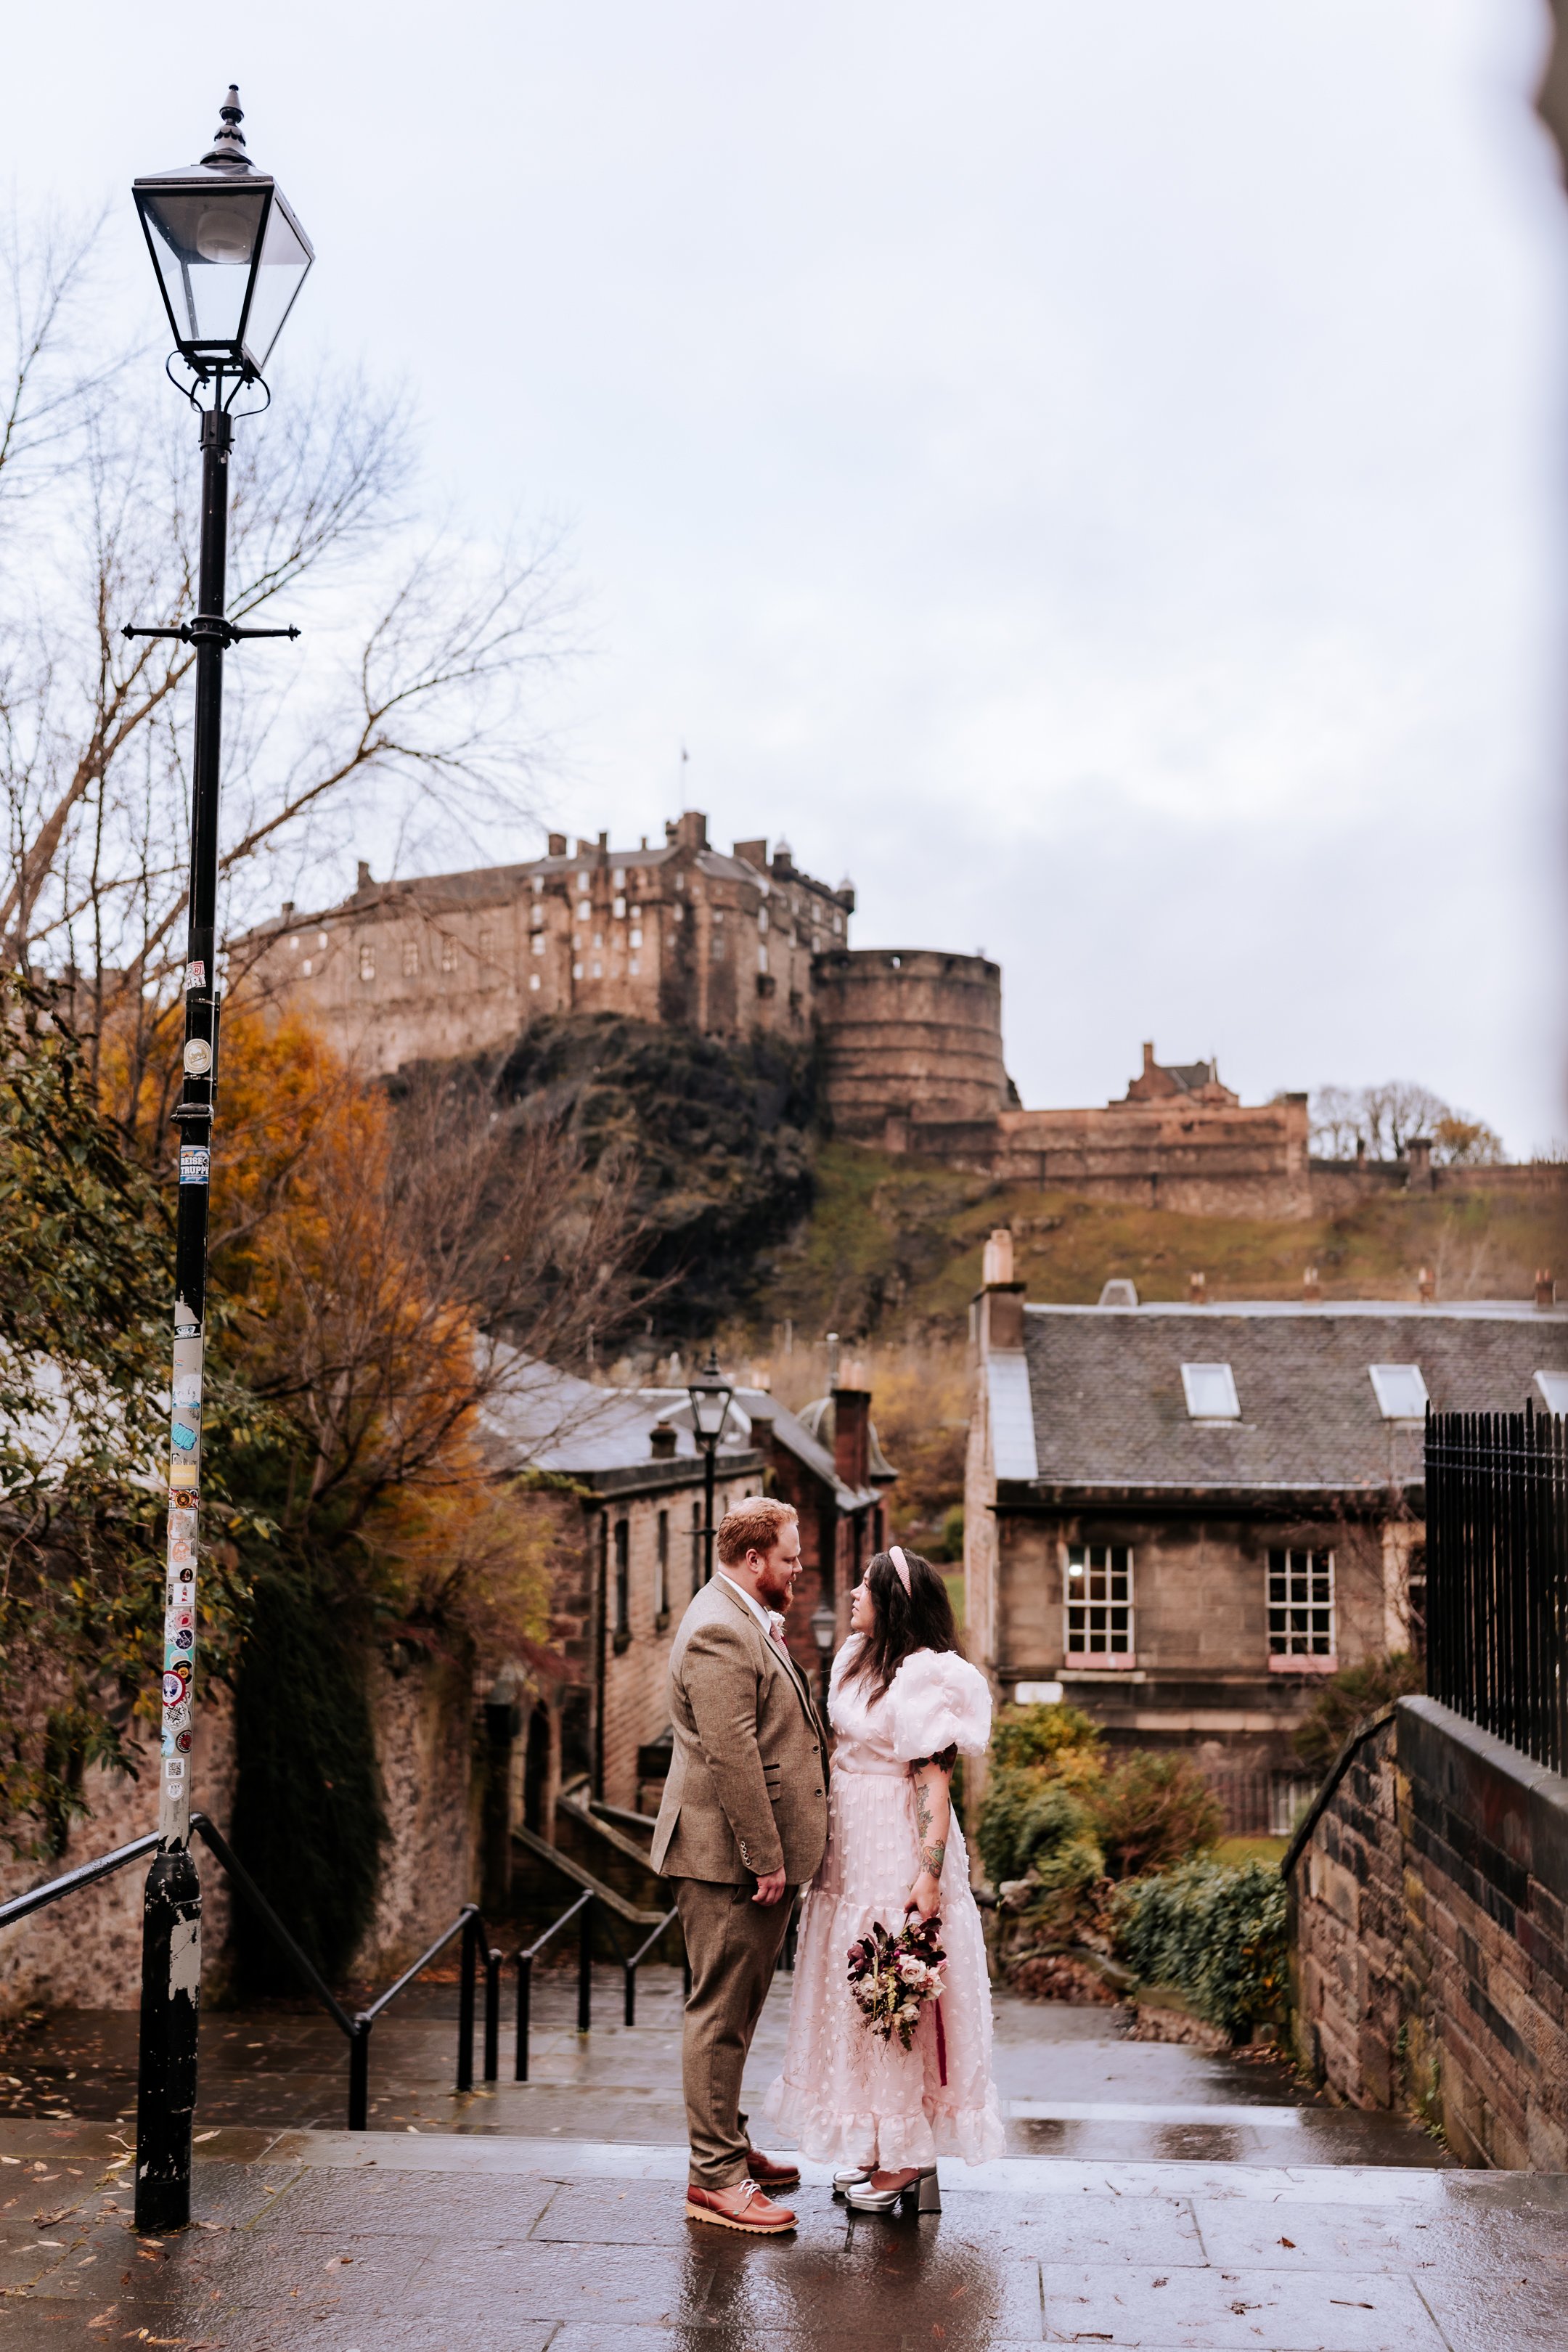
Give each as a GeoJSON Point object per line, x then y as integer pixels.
{"type": "Point", "coordinates": [1197, 1290]}
{"type": "Point", "coordinates": [1545, 1288]}
{"type": "Point", "coordinates": [287, 909]}
{"type": "Point", "coordinates": [1311, 1287]}
{"type": "Point", "coordinates": [661, 1442]}
{"type": "Point", "coordinates": [1147, 1056]}
{"type": "Point", "coordinates": [363, 883]}
{"type": "Point", "coordinates": [1426, 1286]}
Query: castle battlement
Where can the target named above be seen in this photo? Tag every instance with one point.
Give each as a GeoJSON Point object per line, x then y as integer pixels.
{"type": "Point", "coordinates": [450, 964]}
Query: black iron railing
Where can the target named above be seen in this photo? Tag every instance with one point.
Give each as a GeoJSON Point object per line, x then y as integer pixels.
{"type": "Point", "coordinates": [1497, 1575]}
{"type": "Point", "coordinates": [478, 1956]}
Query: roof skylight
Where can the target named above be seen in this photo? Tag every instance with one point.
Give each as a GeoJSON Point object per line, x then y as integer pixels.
{"type": "Point", "coordinates": [1401, 1392]}
{"type": "Point", "coordinates": [1554, 1387]}
{"type": "Point", "coordinates": [1211, 1393]}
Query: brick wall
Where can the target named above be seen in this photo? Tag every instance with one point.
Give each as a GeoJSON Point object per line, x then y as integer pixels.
{"type": "Point", "coordinates": [1427, 1900]}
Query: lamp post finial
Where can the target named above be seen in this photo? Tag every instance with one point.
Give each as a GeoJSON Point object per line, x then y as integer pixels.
{"type": "Point", "coordinates": [228, 142]}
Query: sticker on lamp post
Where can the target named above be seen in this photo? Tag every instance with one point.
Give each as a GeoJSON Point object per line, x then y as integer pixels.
{"type": "Point", "coordinates": [196, 1160]}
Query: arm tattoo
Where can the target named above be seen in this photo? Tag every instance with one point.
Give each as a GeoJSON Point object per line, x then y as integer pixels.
{"type": "Point", "coordinates": [933, 1851]}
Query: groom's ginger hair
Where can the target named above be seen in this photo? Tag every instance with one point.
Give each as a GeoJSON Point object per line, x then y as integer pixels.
{"type": "Point", "coordinates": [754, 1525]}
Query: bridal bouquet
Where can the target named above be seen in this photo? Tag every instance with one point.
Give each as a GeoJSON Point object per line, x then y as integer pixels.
{"type": "Point", "coordinates": [893, 1976]}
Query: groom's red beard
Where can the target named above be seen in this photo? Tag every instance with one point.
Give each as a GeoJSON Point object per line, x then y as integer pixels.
{"type": "Point", "coordinates": [775, 1584]}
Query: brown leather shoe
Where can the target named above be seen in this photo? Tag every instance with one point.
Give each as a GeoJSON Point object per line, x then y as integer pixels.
{"type": "Point", "coordinates": [772, 2172]}
{"type": "Point", "coordinates": [741, 2207]}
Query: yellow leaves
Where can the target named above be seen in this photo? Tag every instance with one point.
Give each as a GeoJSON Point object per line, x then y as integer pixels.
{"type": "Point", "coordinates": [472, 1547]}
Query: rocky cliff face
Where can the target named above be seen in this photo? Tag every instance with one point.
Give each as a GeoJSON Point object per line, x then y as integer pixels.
{"type": "Point", "coordinates": [721, 1132]}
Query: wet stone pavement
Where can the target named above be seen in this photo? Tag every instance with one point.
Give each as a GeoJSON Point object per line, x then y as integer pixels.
{"type": "Point", "coordinates": [1150, 2198]}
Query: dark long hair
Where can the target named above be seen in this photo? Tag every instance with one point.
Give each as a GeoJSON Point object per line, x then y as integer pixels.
{"type": "Point", "coordinates": [919, 1619]}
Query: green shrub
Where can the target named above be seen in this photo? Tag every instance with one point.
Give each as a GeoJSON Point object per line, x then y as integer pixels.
{"type": "Point", "coordinates": [1045, 1734]}
{"type": "Point", "coordinates": [1154, 1810]}
{"type": "Point", "coordinates": [1027, 1818]}
{"type": "Point", "coordinates": [1348, 1697]}
{"type": "Point", "coordinates": [1215, 1931]}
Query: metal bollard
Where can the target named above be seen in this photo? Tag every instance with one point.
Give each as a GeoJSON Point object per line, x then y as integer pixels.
{"type": "Point", "coordinates": [465, 2002]}
{"type": "Point", "coordinates": [166, 2079]}
{"type": "Point", "coordinates": [524, 1989]}
{"type": "Point", "coordinates": [585, 1966]}
{"type": "Point", "coordinates": [492, 2014]}
{"type": "Point", "coordinates": [631, 1975]}
{"type": "Point", "coordinates": [359, 2075]}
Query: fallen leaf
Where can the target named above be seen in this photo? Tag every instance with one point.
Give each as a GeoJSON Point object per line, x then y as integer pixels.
{"type": "Point", "coordinates": [1345, 2305]}
{"type": "Point", "coordinates": [207, 2135]}
{"type": "Point", "coordinates": [48, 2220]}
{"type": "Point", "coordinates": [1288, 2242]}
{"type": "Point", "coordinates": [104, 2317]}
{"type": "Point", "coordinates": [53, 2242]}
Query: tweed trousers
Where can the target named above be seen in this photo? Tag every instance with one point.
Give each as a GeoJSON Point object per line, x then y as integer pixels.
{"type": "Point", "coordinates": [733, 1945]}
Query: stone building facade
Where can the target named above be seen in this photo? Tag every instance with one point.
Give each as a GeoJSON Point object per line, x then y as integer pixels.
{"type": "Point", "coordinates": [1182, 1517]}
{"type": "Point", "coordinates": [459, 963]}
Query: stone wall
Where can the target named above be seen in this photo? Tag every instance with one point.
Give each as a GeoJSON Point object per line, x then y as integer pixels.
{"type": "Point", "coordinates": [85, 1951]}
{"type": "Point", "coordinates": [1427, 1893]}
{"type": "Point", "coordinates": [908, 1034]}
{"type": "Point", "coordinates": [426, 1749]}
{"type": "Point", "coordinates": [1198, 1158]}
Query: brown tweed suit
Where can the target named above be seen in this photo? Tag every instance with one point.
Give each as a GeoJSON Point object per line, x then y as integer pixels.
{"type": "Point", "coordinates": [747, 1795]}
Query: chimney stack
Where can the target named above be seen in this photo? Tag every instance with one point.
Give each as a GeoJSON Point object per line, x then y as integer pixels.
{"type": "Point", "coordinates": [1197, 1290]}
{"type": "Point", "coordinates": [1313, 1288]}
{"type": "Point", "coordinates": [661, 1442]}
{"type": "Point", "coordinates": [1545, 1288]}
{"type": "Point", "coordinates": [1419, 1153]}
{"type": "Point", "coordinates": [851, 1434]}
{"type": "Point", "coordinates": [996, 1262]}
{"type": "Point", "coordinates": [364, 882]}
{"type": "Point", "coordinates": [557, 844]}
{"type": "Point", "coordinates": [1148, 1057]}
{"type": "Point", "coordinates": [1427, 1285]}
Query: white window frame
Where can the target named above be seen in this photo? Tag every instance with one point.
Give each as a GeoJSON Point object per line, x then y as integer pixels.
{"type": "Point", "coordinates": [1220, 1374]}
{"type": "Point", "coordinates": [1387, 1378]}
{"type": "Point", "coordinates": [1300, 1611]}
{"type": "Point", "coordinates": [1101, 1576]}
{"type": "Point", "coordinates": [1554, 1388]}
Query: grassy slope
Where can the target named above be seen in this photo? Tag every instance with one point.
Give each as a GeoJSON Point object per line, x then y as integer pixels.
{"type": "Point", "coordinates": [890, 1250]}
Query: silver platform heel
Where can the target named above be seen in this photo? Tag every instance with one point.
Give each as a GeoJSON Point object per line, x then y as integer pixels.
{"type": "Point", "coordinates": [849, 2176]}
{"type": "Point", "coordinates": [921, 2195]}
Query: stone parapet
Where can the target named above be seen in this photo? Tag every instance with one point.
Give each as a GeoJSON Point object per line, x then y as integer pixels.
{"type": "Point", "coordinates": [1427, 1891]}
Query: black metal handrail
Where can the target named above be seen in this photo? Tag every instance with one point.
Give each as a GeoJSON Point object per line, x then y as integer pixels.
{"type": "Point", "coordinates": [86, 1873]}
{"type": "Point", "coordinates": [356, 2028]}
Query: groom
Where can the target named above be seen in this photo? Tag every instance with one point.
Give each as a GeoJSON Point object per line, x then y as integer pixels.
{"type": "Point", "coordinates": [743, 1824]}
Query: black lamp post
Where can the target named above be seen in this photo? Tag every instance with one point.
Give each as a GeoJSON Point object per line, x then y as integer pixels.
{"type": "Point", "coordinates": [824, 1626]}
{"type": "Point", "coordinates": [709, 1393]}
{"type": "Point", "coordinates": [230, 257]}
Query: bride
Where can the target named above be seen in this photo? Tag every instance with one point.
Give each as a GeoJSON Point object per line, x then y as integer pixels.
{"type": "Point", "coordinates": [903, 1703]}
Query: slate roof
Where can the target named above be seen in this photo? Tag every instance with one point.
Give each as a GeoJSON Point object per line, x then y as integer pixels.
{"type": "Point", "coordinates": [1109, 1409]}
{"type": "Point", "coordinates": [549, 1419]}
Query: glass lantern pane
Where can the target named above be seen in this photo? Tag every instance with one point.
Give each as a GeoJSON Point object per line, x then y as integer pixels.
{"type": "Point", "coordinates": [203, 241]}
{"type": "Point", "coordinates": [284, 262]}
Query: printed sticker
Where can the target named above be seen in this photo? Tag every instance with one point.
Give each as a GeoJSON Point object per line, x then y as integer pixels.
{"type": "Point", "coordinates": [173, 1768]}
{"type": "Point", "coordinates": [196, 1160]}
{"type": "Point", "coordinates": [183, 1742]}
{"type": "Point", "coordinates": [187, 1388]}
{"type": "Point", "coordinates": [183, 1474]}
{"type": "Point", "coordinates": [182, 1434]}
{"type": "Point", "coordinates": [198, 1058]}
{"type": "Point", "coordinates": [184, 1639]}
{"type": "Point", "coordinates": [187, 1576]}
{"type": "Point", "coordinates": [187, 1330]}
{"type": "Point", "coordinates": [174, 1690]}
{"type": "Point", "coordinates": [195, 975]}
{"type": "Point", "coordinates": [181, 1553]}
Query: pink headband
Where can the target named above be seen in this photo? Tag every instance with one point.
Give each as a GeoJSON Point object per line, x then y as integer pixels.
{"type": "Point", "coordinates": [896, 1554]}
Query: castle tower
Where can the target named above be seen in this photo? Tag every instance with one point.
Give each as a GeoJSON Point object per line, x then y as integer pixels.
{"type": "Point", "coordinates": [907, 1033]}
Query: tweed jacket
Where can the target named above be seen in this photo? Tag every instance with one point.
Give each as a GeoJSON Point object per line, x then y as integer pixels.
{"type": "Point", "coordinates": [747, 1793]}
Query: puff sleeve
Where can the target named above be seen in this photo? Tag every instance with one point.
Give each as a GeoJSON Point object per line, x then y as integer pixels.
{"type": "Point", "coordinates": [939, 1700]}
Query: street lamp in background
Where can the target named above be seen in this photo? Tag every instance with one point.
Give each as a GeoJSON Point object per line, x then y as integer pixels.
{"type": "Point", "coordinates": [824, 1626]}
{"type": "Point", "coordinates": [710, 1394]}
{"type": "Point", "coordinates": [230, 259]}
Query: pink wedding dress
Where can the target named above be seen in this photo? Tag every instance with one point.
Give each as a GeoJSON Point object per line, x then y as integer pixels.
{"type": "Point", "coordinates": [848, 2097]}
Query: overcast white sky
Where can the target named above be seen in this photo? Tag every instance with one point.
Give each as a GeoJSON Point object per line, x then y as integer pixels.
{"type": "Point", "coordinates": [1090, 472]}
